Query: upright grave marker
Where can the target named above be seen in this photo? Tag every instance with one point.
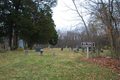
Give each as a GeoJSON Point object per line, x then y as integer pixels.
{"type": "Point", "coordinates": [38, 48]}
{"type": "Point", "coordinates": [26, 52]}
{"type": "Point", "coordinates": [87, 44]}
{"type": "Point", "coordinates": [41, 52]}
{"type": "Point", "coordinates": [53, 53]}
{"type": "Point", "coordinates": [21, 43]}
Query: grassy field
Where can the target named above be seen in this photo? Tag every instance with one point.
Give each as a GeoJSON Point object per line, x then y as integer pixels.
{"type": "Point", "coordinates": [66, 65]}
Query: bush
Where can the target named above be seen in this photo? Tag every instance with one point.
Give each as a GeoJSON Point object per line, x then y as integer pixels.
{"type": "Point", "coordinates": [105, 47]}
{"type": "Point", "coordinates": [20, 49]}
{"type": "Point", "coordinates": [108, 47]}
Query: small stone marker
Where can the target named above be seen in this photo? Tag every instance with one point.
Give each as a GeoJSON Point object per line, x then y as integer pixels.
{"type": "Point", "coordinates": [26, 52]}
{"type": "Point", "coordinates": [82, 49]}
{"type": "Point", "coordinates": [69, 48]}
{"type": "Point", "coordinates": [53, 53]}
{"type": "Point", "coordinates": [93, 49]}
{"type": "Point", "coordinates": [41, 52]}
{"type": "Point", "coordinates": [62, 49]}
{"type": "Point", "coordinates": [75, 51]}
{"type": "Point", "coordinates": [101, 50]}
{"type": "Point", "coordinates": [8, 48]}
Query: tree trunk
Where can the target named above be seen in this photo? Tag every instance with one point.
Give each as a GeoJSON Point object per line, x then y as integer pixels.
{"type": "Point", "coordinates": [15, 41]}
{"type": "Point", "coordinates": [92, 52]}
{"type": "Point", "coordinates": [10, 38]}
{"type": "Point", "coordinates": [30, 45]}
{"type": "Point", "coordinates": [114, 42]}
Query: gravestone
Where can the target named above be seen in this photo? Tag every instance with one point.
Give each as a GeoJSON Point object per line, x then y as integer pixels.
{"type": "Point", "coordinates": [62, 49]}
{"type": "Point", "coordinates": [101, 50]}
{"type": "Point", "coordinates": [82, 49]}
{"type": "Point", "coordinates": [41, 52]}
{"type": "Point", "coordinates": [8, 48]}
{"type": "Point", "coordinates": [4, 46]}
{"type": "Point", "coordinates": [77, 47]}
{"type": "Point", "coordinates": [53, 53]}
{"type": "Point", "coordinates": [75, 51]}
{"type": "Point", "coordinates": [38, 48]}
{"type": "Point", "coordinates": [66, 47]}
{"type": "Point", "coordinates": [72, 49]}
{"type": "Point", "coordinates": [89, 48]}
{"type": "Point", "coordinates": [69, 48]}
{"type": "Point", "coordinates": [93, 49]}
{"type": "Point", "coordinates": [21, 43]}
{"type": "Point", "coordinates": [48, 46]}
{"type": "Point", "coordinates": [26, 52]}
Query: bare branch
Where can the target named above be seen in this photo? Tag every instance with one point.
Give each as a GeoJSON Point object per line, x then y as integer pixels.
{"type": "Point", "coordinates": [81, 18]}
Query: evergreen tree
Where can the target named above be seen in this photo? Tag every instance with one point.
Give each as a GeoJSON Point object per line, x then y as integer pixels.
{"type": "Point", "coordinates": [54, 38]}
{"type": "Point", "coordinates": [30, 20]}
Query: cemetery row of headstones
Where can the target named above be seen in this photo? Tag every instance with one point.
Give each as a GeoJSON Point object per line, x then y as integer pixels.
{"type": "Point", "coordinates": [83, 49]}
{"type": "Point", "coordinates": [75, 51]}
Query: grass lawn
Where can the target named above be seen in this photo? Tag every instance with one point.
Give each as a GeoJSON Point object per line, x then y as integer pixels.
{"type": "Point", "coordinates": [66, 65]}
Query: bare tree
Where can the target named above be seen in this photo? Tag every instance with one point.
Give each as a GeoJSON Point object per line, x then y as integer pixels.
{"type": "Point", "coordinates": [82, 17]}
{"type": "Point", "coordinates": [106, 11]}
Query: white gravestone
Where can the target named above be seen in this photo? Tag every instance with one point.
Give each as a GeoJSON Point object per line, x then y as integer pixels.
{"type": "Point", "coordinates": [21, 43]}
{"type": "Point", "coordinates": [41, 52]}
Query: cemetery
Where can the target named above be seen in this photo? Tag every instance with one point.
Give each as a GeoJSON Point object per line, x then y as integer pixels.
{"type": "Point", "coordinates": [38, 44]}
{"type": "Point", "coordinates": [47, 64]}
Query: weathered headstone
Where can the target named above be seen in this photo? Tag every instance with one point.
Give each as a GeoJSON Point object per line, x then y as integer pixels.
{"type": "Point", "coordinates": [93, 49]}
{"type": "Point", "coordinates": [89, 48]}
{"type": "Point", "coordinates": [4, 46]}
{"type": "Point", "coordinates": [41, 52]}
{"type": "Point", "coordinates": [66, 47]}
{"type": "Point", "coordinates": [101, 50]}
{"type": "Point", "coordinates": [75, 51]}
{"type": "Point", "coordinates": [72, 49]}
{"type": "Point", "coordinates": [26, 52]}
{"type": "Point", "coordinates": [77, 48]}
{"type": "Point", "coordinates": [48, 46]}
{"type": "Point", "coordinates": [53, 53]}
{"type": "Point", "coordinates": [69, 48]}
{"type": "Point", "coordinates": [82, 49]}
{"type": "Point", "coordinates": [21, 43]}
{"type": "Point", "coordinates": [38, 48]}
{"type": "Point", "coordinates": [8, 48]}
{"type": "Point", "coordinates": [62, 49]}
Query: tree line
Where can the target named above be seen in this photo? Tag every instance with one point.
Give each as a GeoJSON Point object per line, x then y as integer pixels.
{"type": "Point", "coordinates": [104, 14]}
{"type": "Point", "coordinates": [102, 27]}
{"type": "Point", "coordinates": [73, 38]}
{"type": "Point", "coordinates": [30, 20]}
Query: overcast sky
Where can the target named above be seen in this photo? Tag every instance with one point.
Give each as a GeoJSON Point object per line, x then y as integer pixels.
{"type": "Point", "coordinates": [63, 17]}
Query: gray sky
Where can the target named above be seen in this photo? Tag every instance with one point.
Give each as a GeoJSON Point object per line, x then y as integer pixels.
{"type": "Point", "coordinates": [64, 17]}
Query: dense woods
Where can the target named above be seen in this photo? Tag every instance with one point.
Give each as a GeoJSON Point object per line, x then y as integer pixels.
{"type": "Point", "coordinates": [30, 20]}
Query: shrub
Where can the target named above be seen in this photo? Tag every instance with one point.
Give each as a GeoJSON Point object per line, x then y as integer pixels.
{"type": "Point", "coordinates": [108, 47]}
{"type": "Point", "coordinates": [20, 49]}
{"type": "Point", "coordinates": [105, 47]}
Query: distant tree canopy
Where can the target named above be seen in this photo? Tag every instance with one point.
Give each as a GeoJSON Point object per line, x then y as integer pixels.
{"type": "Point", "coordinates": [30, 20]}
